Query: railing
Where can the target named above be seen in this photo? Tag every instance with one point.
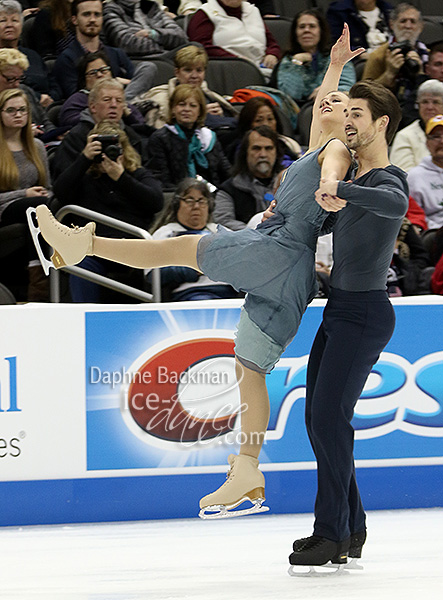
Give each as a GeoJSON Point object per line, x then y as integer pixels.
{"type": "Point", "coordinates": [95, 277]}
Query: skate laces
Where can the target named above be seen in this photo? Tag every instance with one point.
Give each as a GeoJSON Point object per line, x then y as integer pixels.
{"type": "Point", "coordinates": [310, 543]}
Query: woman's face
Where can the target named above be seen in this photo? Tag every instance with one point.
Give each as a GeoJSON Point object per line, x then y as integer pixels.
{"type": "Point", "coordinates": [192, 75]}
{"type": "Point", "coordinates": [430, 106]}
{"type": "Point", "coordinates": [96, 70]}
{"type": "Point", "coordinates": [333, 106]}
{"type": "Point", "coordinates": [15, 113]}
{"type": "Point", "coordinates": [308, 32]}
{"type": "Point", "coordinates": [264, 116]}
{"type": "Point", "coordinates": [193, 210]}
{"type": "Point", "coordinates": [186, 112]}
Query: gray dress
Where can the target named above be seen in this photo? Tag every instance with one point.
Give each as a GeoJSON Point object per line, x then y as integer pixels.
{"type": "Point", "coordinates": [275, 263]}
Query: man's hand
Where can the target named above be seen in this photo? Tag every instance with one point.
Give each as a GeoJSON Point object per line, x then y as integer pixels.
{"type": "Point", "coordinates": [270, 61]}
{"type": "Point", "coordinates": [214, 108]}
{"type": "Point", "coordinates": [394, 61]}
{"type": "Point", "coordinates": [326, 196]}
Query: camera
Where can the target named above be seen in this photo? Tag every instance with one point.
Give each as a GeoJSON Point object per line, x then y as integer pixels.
{"type": "Point", "coordinates": [110, 146]}
{"type": "Point", "coordinates": [411, 67]}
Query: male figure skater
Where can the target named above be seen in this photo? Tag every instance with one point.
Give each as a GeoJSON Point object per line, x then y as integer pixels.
{"type": "Point", "coordinates": [358, 320]}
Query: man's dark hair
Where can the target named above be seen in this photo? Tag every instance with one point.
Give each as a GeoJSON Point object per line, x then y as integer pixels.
{"type": "Point", "coordinates": [241, 162]}
{"type": "Point", "coordinates": [76, 3]}
{"type": "Point", "coordinates": [381, 101]}
{"type": "Point", "coordinates": [434, 48]}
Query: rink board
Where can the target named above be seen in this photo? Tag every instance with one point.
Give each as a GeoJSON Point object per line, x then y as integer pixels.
{"type": "Point", "coordinates": [130, 412]}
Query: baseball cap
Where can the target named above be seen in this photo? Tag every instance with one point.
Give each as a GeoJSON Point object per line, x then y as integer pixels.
{"type": "Point", "coordinates": [433, 123]}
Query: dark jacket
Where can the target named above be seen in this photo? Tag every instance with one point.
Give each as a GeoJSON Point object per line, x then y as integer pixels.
{"type": "Point", "coordinates": [44, 39]}
{"type": "Point", "coordinates": [38, 77]}
{"type": "Point", "coordinates": [65, 68]}
{"type": "Point", "coordinates": [134, 198]}
{"type": "Point", "coordinates": [169, 160]}
{"type": "Point", "coordinates": [344, 11]}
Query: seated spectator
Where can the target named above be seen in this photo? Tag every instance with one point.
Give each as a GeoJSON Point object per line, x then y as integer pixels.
{"type": "Point", "coordinates": [410, 271]}
{"type": "Point", "coordinates": [183, 7]}
{"type": "Point", "coordinates": [190, 68]}
{"type": "Point", "coordinates": [92, 67]}
{"type": "Point", "coordinates": [260, 111]}
{"type": "Point", "coordinates": [116, 186]}
{"type": "Point", "coordinates": [87, 18]}
{"type": "Point", "coordinates": [37, 76]}
{"type": "Point", "coordinates": [368, 22]}
{"type": "Point", "coordinates": [256, 172]}
{"type": "Point", "coordinates": [24, 178]}
{"type": "Point", "coordinates": [434, 66]}
{"type": "Point", "coordinates": [13, 65]}
{"type": "Point", "coordinates": [189, 212]}
{"type": "Point", "coordinates": [399, 63]}
{"type": "Point", "coordinates": [184, 147]}
{"type": "Point", "coordinates": [303, 66]}
{"type": "Point", "coordinates": [141, 28]}
{"type": "Point", "coordinates": [409, 146]}
{"type": "Point", "coordinates": [106, 100]}
{"type": "Point", "coordinates": [437, 260]}
{"type": "Point", "coordinates": [426, 180]}
{"type": "Point", "coordinates": [234, 28]}
{"type": "Point", "coordinates": [52, 29]}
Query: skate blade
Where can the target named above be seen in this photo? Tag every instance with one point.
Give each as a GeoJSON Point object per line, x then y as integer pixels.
{"type": "Point", "coordinates": [225, 512]}
{"type": "Point", "coordinates": [354, 565]}
{"type": "Point", "coordinates": [317, 570]}
{"type": "Point", "coordinates": [35, 231]}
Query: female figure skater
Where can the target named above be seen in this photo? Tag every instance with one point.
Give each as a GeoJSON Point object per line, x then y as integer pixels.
{"type": "Point", "coordinates": [274, 264]}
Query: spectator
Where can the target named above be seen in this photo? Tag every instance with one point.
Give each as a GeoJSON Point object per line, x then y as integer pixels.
{"type": "Point", "coordinates": [141, 28]}
{"type": "Point", "coordinates": [13, 65]}
{"type": "Point", "coordinates": [24, 177]}
{"type": "Point", "coordinates": [260, 111]}
{"type": "Point", "coordinates": [116, 186]}
{"type": "Point", "coordinates": [437, 259]}
{"type": "Point", "coordinates": [87, 18]}
{"type": "Point", "coordinates": [250, 190]}
{"type": "Point", "coordinates": [37, 76]}
{"type": "Point", "coordinates": [106, 101]}
{"type": "Point", "coordinates": [92, 67]}
{"type": "Point", "coordinates": [409, 145]}
{"type": "Point", "coordinates": [303, 66]}
{"type": "Point", "coordinates": [184, 147]}
{"type": "Point", "coordinates": [52, 29]}
{"type": "Point", "coordinates": [426, 180]}
{"type": "Point", "coordinates": [183, 7]}
{"type": "Point", "coordinates": [434, 66]}
{"type": "Point", "coordinates": [368, 22]}
{"type": "Point", "coordinates": [189, 212]}
{"type": "Point", "coordinates": [234, 28]}
{"type": "Point", "coordinates": [399, 63]}
{"type": "Point", "coordinates": [190, 68]}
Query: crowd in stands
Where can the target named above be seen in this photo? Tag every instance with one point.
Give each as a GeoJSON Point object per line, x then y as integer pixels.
{"type": "Point", "coordinates": [86, 118]}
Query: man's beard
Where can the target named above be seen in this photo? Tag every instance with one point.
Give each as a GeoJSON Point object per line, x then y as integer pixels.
{"type": "Point", "coordinates": [263, 167]}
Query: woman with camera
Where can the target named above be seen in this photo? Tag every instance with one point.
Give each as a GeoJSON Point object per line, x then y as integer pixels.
{"type": "Point", "coordinates": [107, 177]}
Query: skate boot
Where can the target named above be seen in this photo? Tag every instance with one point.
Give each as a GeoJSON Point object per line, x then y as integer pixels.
{"type": "Point", "coordinates": [316, 551]}
{"type": "Point", "coordinates": [71, 244]}
{"type": "Point", "coordinates": [355, 549]}
{"type": "Point", "coordinates": [243, 482]}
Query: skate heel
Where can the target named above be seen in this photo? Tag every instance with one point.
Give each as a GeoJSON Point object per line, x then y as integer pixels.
{"type": "Point", "coordinates": [340, 559]}
{"type": "Point", "coordinates": [257, 494]}
{"type": "Point", "coordinates": [57, 260]}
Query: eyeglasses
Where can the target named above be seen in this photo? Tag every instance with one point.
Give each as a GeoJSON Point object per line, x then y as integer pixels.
{"type": "Point", "coordinates": [435, 138]}
{"type": "Point", "coordinates": [192, 202]}
{"type": "Point", "coordinates": [94, 72]}
{"type": "Point", "coordinates": [12, 79]}
{"type": "Point", "coordinates": [11, 110]}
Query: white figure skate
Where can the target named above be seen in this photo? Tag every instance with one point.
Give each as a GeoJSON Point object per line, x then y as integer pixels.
{"type": "Point", "coordinates": [244, 482]}
{"type": "Point", "coordinates": [71, 244]}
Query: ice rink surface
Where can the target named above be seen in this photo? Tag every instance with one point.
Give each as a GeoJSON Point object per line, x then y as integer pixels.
{"type": "Point", "coordinates": [243, 558]}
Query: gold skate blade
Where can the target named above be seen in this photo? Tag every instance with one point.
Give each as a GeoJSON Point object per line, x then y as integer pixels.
{"type": "Point", "coordinates": [317, 570]}
{"type": "Point", "coordinates": [35, 231]}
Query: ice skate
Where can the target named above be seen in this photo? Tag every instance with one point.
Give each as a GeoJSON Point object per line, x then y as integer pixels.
{"type": "Point", "coordinates": [314, 553]}
{"type": "Point", "coordinates": [355, 550]}
{"type": "Point", "coordinates": [244, 482]}
{"type": "Point", "coordinates": [71, 244]}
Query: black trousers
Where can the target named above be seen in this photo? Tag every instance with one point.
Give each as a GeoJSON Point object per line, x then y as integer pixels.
{"type": "Point", "coordinates": [356, 327]}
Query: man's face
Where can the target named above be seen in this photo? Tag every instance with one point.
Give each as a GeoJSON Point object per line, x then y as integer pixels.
{"type": "Point", "coordinates": [360, 129]}
{"type": "Point", "coordinates": [434, 142]}
{"type": "Point", "coordinates": [10, 29]}
{"type": "Point", "coordinates": [109, 105]}
{"type": "Point", "coordinates": [10, 78]}
{"type": "Point", "coordinates": [407, 26]}
{"type": "Point", "coordinates": [261, 155]}
{"type": "Point", "coordinates": [89, 18]}
{"type": "Point", "coordinates": [434, 68]}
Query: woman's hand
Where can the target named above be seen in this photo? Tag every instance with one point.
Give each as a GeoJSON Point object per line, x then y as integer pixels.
{"type": "Point", "coordinates": [36, 190]}
{"type": "Point", "coordinates": [214, 108]}
{"type": "Point", "coordinates": [301, 58]}
{"type": "Point", "coordinates": [113, 168]}
{"type": "Point", "coordinates": [269, 61]}
{"type": "Point", "coordinates": [341, 52]}
{"type": "Point", "coordinates": [269, 211]}
{"type": "Point", "coordinates": [93, 147]}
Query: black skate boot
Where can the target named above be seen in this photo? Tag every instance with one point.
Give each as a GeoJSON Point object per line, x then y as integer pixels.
{"type": "Point", "coordinates": [357, 541]}
{"type": "Point", "coordinates": [318, 551]}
